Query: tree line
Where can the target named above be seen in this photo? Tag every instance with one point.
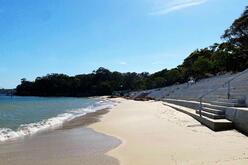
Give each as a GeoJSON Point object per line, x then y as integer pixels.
{"type": "Point", "coordinates": [228, 56]}
{"type": "Point", "coordinates": [6, 91]}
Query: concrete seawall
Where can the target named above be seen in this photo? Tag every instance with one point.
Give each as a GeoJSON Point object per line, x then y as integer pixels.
{"type": "Point", "coordinates": [218, 95]}
{"type": "Point", "coordinates": [239, 117]}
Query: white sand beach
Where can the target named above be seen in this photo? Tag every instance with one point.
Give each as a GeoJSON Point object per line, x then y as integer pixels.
{"type": "Point", "coordinates": [131, 133]}
{"type": "Point", "coordinates": [154, 134]}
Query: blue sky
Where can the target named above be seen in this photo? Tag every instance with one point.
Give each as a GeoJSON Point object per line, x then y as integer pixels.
{"type": "Point", "coordinates": [77, 36]}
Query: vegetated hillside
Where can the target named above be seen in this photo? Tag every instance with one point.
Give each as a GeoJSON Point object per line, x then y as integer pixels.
{"type": "Point", "coordinates": [229, 56]}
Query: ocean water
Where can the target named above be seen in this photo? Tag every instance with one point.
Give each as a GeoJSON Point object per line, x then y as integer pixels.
{"type": "Point", "coordinates": [22, 116]}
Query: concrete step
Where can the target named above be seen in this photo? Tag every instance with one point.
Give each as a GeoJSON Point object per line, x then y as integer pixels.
{"type": "Point", "coordinates": [231, 100]}
{"type": "Point", "coordinates": [214, 111]}
{"type": "Point", "coordinates": [239, 88]}
{"type": "Point", "coordinates": [215, 125]}
{"type": "Point", "coordinates": [219, 93]}
{"type": "Point", "coordinates": [224, 103]}
{"type": "Point", "coordinates": [185, 103]}
{"type": "Point", "coordinates": [214, 97]}
{"type": "Point", "coordinates": [240, 102]}
{"type": "Point", "coordinates": [194, 104]}
{"type": "Point", "coordinates": [211, 115]}
{"type": "Point", "coordinates": [237, 93]}
{"type": "Point", "coordinates": [240, 84]}
{"type": "Point", "coordinates": [213, 106]}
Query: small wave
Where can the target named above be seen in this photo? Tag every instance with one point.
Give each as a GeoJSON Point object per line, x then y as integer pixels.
{"type": "Point", "coordinates": [51, 123]}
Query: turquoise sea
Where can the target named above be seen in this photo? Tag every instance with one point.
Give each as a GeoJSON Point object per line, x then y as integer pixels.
{"type": "Point", "coordinates": [21, 116]}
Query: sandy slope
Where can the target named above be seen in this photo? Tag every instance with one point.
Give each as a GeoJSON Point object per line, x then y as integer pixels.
{"type": "Point", "coordinates": [154, 134]}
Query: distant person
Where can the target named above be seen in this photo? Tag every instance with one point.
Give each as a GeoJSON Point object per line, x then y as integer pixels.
{"type": "Point", "coordinates": [191, 81]}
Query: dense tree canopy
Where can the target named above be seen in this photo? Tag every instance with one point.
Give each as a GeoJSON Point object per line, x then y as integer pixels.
{"type": "Point", "coordinates": [238, 32]}
{"type": "Point", "coordinates": [99, 82]}
{"type": "Point", "coordinates": [237, 36]}
{"type": "Point", "coordinates": [231, 55]}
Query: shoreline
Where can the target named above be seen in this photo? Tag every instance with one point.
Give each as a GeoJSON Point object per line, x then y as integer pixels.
{"type": "Point", "coordinates": [51, 123]}
{"type": "Point", "coordinates": [74, 143]}
{"type": "Point", "coordinates": [152, 133]}
{"type": "Point", "coordinates": [130, 133]}
{"type": "Point", "coordinates": [85, 120]}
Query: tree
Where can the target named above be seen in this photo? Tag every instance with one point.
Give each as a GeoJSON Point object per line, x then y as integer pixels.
{"type": "Point", "coordinates": [202, 66]}
{"type": "Point", "coordinates": [173, 76]}
{"type": "Point", "coordinates": [237, 33]}
{"type": "Point", "coordinates": [231, 55]}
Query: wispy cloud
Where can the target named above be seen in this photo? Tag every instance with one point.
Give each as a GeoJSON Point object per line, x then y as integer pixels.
{"type": "Point", "coordinates": [123, 63]}
{"type": "Point", "coordinates": [174, 5]}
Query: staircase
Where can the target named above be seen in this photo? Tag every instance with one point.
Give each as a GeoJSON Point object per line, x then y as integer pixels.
{"type": "Point", "coordinates": [227, 88]}
{"type": "Point", "coordinates": [215, 110]}
{"type": "Point", "coordinates": [212, 113]}
{"type": "Point", "coordinates": [232, 93]}
{"type": "Point", "coordinates": [212, 116]}
{"type": "Point", "coordinates": [210, 101]}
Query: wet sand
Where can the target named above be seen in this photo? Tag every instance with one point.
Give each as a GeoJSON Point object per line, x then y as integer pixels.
{"type": "Point", "coordinates": [150, 133]}
{"type": "Point", "coordinates": [85, 120]}
{"type": "Point", "coordinates": [71, 145]}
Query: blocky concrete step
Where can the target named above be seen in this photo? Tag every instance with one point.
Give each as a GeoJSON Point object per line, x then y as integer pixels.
{"type": "Point", "coordinates": [211, 115]}
{"type": "Point", "coordinates": [214, 111]}
{"type": "Point", "coordinates": [215, 125]}
{"type": "Point", "coordinates": [239, 102]}
{"type": "Point", "coordinates": [239, 86]}
{"type": "Point", "coordinates": [231, 100]}
{"type": "Point", "coordinates": [227, 104]}
{"type": "Point", "coordinates": [236, 93]}
{"type": "Point", "coordinates": [213, 106]}
{"type": "Point", "coordinates": [194, 104]}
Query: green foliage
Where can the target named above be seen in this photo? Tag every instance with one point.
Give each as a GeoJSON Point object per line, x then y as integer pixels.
{"type": "Point", "coordinates": [173, 76]}
{"type": "Point", "coordinates": [238, 31]}
{"type": "Point", "coordinates": [231, 55]}
{"type": "Point", "coordinates": [99, 82]}
{"type": "Point", "coordinates": [237, 36]}
{"type": "Point", "coordinates": [202, 66]}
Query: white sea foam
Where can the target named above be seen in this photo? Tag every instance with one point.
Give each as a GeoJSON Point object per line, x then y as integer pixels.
{"type": "Point", "coordinates": [52, 123]}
